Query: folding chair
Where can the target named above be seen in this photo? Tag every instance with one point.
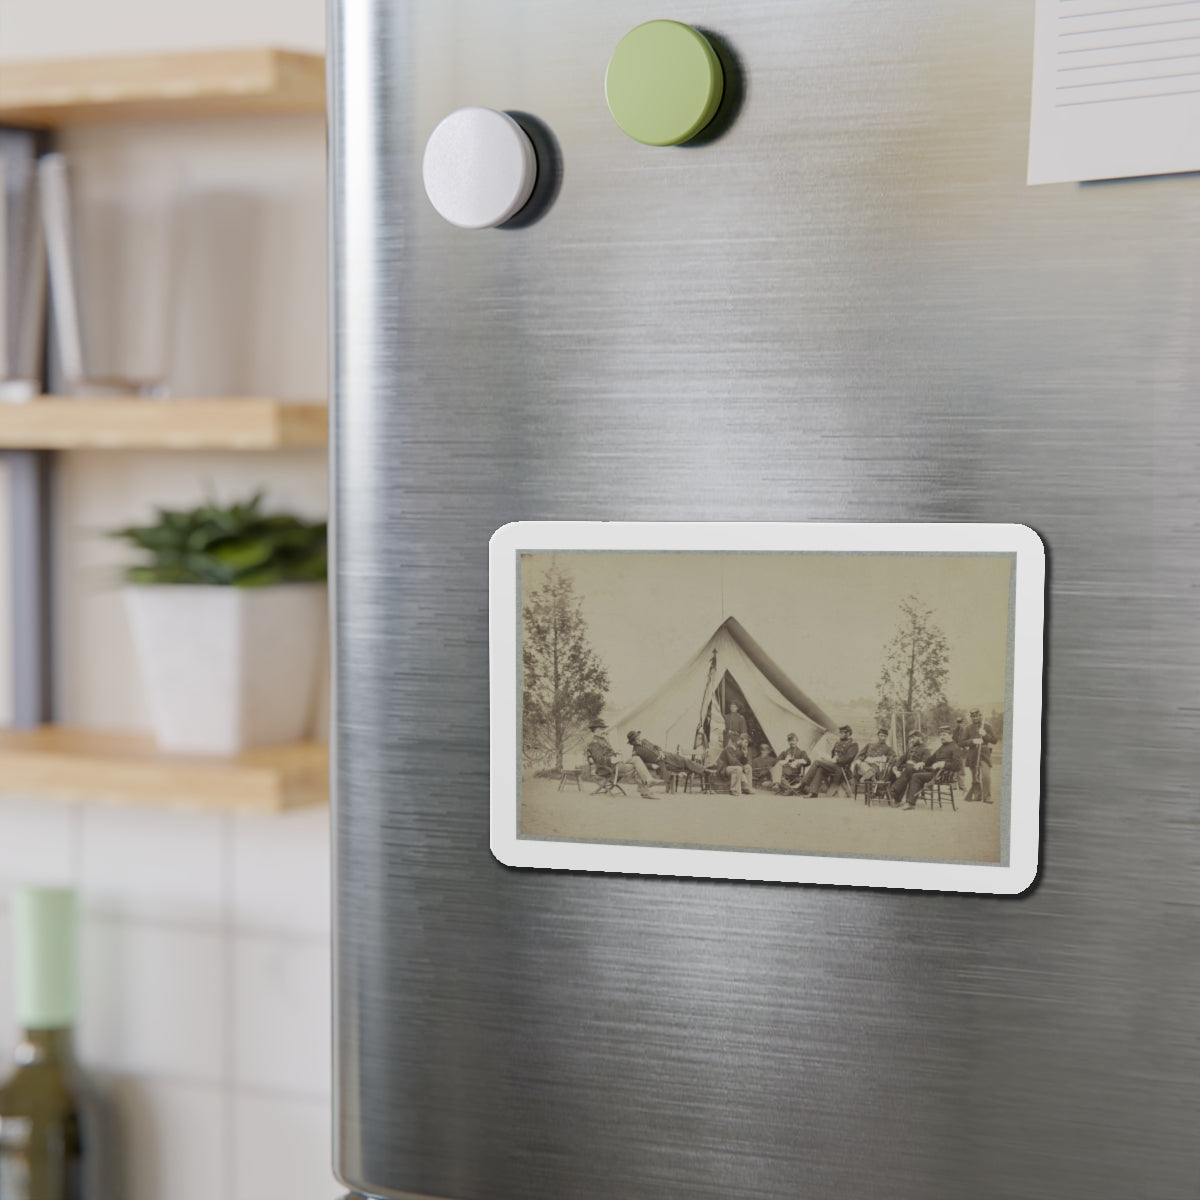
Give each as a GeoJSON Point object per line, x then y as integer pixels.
{"type": "Point", "coordinates": [571, 775]}
{"type": "Point", "coordinates": [607, 778]}
{"type": "Point", "coordinates": [845, 780]}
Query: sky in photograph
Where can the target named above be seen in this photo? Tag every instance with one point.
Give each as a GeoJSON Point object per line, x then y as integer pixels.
{"type": "Point", "coordinates": [824, 619]}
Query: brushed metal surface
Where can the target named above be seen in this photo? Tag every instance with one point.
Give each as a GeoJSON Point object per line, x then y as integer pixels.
{"type": "Point", "coordinates": [858, 266]}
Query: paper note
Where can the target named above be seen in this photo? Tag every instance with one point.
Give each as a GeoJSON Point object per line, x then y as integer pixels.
{"type": "Point", "coordinates": [1116, 89]}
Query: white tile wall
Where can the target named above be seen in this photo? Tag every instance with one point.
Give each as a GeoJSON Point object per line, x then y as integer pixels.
{"type": "Point", "coordinates": [281, 871]}
{"type": "Point", "coordinates": [282, 1150]}
{"type": "Point", "coordinates": [154, 864]}
{"type": "Point", "coordinates": [282, 1015]}
{"type": "Point", "coordinates": [38, 843]}
{"type": "Point", "coordinates": [156, 1000]}
{"type": "Point", "coordinates": [171, 1142]}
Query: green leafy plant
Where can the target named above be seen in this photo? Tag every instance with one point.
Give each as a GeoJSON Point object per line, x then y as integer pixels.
{"type": "Point", "coordinates": [238, 546]}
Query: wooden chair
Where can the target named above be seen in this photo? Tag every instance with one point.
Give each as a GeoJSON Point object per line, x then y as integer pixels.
{"type": "Point", "coordinates": [674, 778]}
{"type": "Point", "coordinates": [878, 787]}
{"type": "Point", "coordinates": [940, 787]}
{"type": "Point", "coordinates": [573, 775]}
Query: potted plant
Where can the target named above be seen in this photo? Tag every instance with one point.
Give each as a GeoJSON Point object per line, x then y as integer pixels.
{"type": "Point", "coordinates": [228, 622]}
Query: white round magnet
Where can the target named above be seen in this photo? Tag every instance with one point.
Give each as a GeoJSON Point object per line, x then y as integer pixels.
{"type": "Point", "coordinates": [479, 168]}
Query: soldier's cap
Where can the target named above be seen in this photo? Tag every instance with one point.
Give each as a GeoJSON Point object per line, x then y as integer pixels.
{"type": "Point", "coordinates": [881, 731]}
{"type": "Point", "coordinates": [793, 737]}
{"type": "Point", "coordinates": [976, 713]}
{"type": "Point", "coordinates": [633, 735]}
{"type": "Point", "coordinates": [958, 720]}
{"type": "Point", "coordinates": [845, 729]}
{"type": "Point", "coordinates": [597, 725]}
{"type": "Point", "coordinates": [915, 736]}
{"type": "Point", "coordinates": [944, 729]}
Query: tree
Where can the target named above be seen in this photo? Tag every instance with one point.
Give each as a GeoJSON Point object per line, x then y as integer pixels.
{"type": "Point", "coordinates": [565, 682]}
{"type": "Point", "coordinates": [915, 663]}
{"type": "Point", "coordinates": [943, 713]}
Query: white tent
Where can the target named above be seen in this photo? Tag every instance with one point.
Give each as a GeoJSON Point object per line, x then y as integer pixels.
{"type": "Point", "coordinates": [731, 665]}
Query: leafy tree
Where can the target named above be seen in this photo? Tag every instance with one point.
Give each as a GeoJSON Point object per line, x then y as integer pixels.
{"type": "Point", "coordinates": [916, 663]}
{"type": "Point", "coordinates": [943, 713]}
{"type": "Point", "coordinates": [565, 681]}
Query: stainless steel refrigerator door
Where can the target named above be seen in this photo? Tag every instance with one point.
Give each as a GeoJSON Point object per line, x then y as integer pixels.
{"type": "Point", "coordinates": [856, 268]}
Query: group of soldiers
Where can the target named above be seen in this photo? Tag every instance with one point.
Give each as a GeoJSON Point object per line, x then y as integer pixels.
{"type": "Point", "coordinates": [963, 752]}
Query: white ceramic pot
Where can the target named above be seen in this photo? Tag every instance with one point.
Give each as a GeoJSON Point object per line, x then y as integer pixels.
{"type": "Point", "coordinates": [227, 668]}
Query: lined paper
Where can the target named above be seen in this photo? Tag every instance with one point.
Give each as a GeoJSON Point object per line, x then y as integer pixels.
{"type": "Point", "coordinates": [1116, 89]}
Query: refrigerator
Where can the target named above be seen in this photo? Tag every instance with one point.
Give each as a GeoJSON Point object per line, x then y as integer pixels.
{"type": "Point", "coordinates": [840, 301]}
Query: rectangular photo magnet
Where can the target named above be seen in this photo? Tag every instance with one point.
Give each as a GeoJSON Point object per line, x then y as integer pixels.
{"type": "Point", "coordinates": [855, 704]}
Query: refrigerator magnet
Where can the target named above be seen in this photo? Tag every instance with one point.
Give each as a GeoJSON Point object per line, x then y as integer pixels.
{"type": "Point", "coordinates": [856, 704]}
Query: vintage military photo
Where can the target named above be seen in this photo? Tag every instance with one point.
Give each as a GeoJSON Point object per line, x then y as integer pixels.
{"type": "Point", "coordinates": [802, 702]}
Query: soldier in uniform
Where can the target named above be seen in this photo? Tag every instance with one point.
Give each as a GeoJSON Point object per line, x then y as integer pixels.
{"type": "Point", "coordinates": [605, 757]}
{"type": "Point", "coordinates": [647, 752]}
{"type": "Point", "coordinates": [734, 763]}
{"type": "Point", "coordinates": [909, 764]}
{"type": "Point", "coordinates": [845, 751]}
{"type": "Point", "coordinates": [873, 758]}
{"type": "Point", "coordinates": [789, 767]}
{"type": "Point", "coordinates": [947, 755]}
{"type": "Point", "coordinates": [735, 723]}
{"type": "Point", "coordinates": [761, 765]}
{"type": "Point", "coordinates": [978, 740]}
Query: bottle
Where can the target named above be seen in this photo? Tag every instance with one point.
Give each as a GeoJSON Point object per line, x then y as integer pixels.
{"type": "Point", "coordinates": [42, 1141]}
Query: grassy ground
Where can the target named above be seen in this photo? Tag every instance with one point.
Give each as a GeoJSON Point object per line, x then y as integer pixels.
{"type": "Point", "coordinates": [830, 824]}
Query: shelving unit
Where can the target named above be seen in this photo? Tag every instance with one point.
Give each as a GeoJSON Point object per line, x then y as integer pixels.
{"type": "Point", "coordinates": [145, 87]}
{"type": "Point", "coordinates": [43, 759]}
{"type": "Point", "coordinates": [225, 423]}
{"type": "Point", "coordinates": [80, 764]}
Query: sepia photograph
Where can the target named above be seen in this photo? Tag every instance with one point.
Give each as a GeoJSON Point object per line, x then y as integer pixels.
{"type": "Point", "coordinates": [794, 703]}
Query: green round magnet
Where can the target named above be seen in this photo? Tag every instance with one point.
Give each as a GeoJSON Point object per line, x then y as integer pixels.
{"type": "Point", "coordinates": [664, 83]}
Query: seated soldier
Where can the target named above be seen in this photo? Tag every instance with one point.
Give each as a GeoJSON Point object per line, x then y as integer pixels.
{"type": "Point", "coordinates": [733, 763]}
{"type": "Point", "coordinates": [788, 770]}
{"type": "Point", "coordinates": [655, 756]}
{"type": "Point", "coordinates": [946, 756]}
{"type": "Point", "coordinates": [909, 764]}
{"type": "Point", "coordinates": [829, 770]}
{"type": "Point", "coordinates": [761, 764]}
{"type": "Point", "coordinates": [605, 759]}
{"type": "Point", "coordinates": [873, 759]}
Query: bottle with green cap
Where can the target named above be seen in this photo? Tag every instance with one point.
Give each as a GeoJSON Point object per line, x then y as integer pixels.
{"type": "Point", "coordinates": [44, 1150]}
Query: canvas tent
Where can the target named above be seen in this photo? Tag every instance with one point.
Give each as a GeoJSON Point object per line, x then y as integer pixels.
{"type": "Point", "coordinates": [731, 665]}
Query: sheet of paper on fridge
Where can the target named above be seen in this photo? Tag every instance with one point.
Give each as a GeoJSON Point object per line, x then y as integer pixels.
{"type": "Point", "coordinates": [1116, 89]}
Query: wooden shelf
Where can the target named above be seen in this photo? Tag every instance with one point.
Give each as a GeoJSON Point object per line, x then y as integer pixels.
{"type": "Point", "coordinates": [228, 423]}
{"type": "Point", "coordinates": [215, 83]}
{"type": "Point", "coordinates": [78, 764]}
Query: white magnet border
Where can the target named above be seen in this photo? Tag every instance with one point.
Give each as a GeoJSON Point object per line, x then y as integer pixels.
{"type": "Point", "coordinates": [1012, 877]}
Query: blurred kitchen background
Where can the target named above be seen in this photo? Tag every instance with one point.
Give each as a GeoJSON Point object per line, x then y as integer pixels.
{"type": "Point", "coordinates": [205, 940]}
